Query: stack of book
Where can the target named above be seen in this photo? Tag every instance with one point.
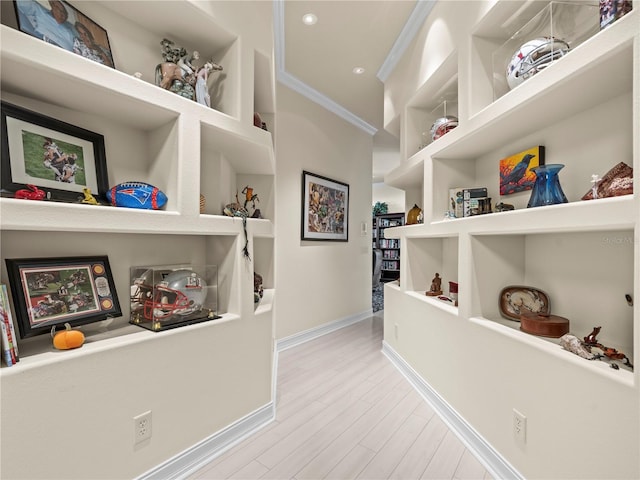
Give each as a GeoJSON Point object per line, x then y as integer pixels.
{"type": "Point", "coordinates": [9, 342]}
{"type": "Point", "coordinates": [468, 202]}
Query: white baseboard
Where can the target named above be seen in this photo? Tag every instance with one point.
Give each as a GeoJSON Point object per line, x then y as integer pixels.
{"type": "Point", "coordinates": [494, 463]}
{"type": "Point", "coordinates": [312, 333]}
{"type": "Point", "coordinates": [194, 458]}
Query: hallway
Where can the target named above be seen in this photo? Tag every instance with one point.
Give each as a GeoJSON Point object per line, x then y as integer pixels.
{"type": "Point", "coordinates": [343, 411]}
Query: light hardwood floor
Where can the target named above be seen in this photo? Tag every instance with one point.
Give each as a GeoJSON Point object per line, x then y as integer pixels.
{"type": "Point", "coordinates": [344, 412]}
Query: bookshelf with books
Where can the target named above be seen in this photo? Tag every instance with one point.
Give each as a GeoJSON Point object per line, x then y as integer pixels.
{"type": "Point", "coordinates": [390, 246]}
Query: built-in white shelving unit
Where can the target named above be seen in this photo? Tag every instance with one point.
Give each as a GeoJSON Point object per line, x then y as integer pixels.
{"type": "Point", "coordinates": [583, 254]}
{"type": "Point", "coordinates": [186, 149]}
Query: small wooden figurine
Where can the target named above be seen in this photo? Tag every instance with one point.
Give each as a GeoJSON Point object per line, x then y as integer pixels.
{"type": "Point", "coordinates": [436, 287]}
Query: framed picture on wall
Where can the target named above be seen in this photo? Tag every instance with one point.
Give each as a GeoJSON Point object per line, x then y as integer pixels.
{"type": "Point", "coordinates": [59, 23]}
{"type": "Point", "coordinates": [325, 208]}
{"type": "Point", "coordinates": [55, 156]}
{"type": "Point", "coordinates": [49, 292]}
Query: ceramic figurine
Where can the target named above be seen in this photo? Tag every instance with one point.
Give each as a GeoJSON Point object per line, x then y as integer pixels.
{"type": "Point", "coordinates": [595, 179]}
{"type": "Point", "coordinates": [237, 210]}
{"type": "Point", "coordinates": [202, 91]}
{"type": "Point", "coordinates": [31, 193]}
{"type": "Point", "coordinates": [504, 207]}
{"type": "Point", "coordinates": [436, 287]}
{"type": "Point", "coordinates": [88, 198]}
{"type": "Point", "coordinates": [591, 341]}
{"type": "Point", "coordinates": [258, 290]}
{"type": "Point", "coordinates": [413, 214]}
{"type": "Point", "coordinates": [250, 197]}
{"type": "Point", "coordinates": [180, 75]}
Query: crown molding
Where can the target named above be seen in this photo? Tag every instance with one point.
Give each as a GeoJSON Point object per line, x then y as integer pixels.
{"type": "Point", "coordinates": [414, 23]}
{"type": "Point", "coordinates": [298, 85]}
{"type": "Point", "coordinates": [312, 94]}
{"type": "Point", "coordinates": [417, 18]}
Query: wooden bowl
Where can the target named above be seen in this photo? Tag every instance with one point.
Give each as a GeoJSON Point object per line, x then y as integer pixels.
{"type": "Point", "coordinates": [545, 325]}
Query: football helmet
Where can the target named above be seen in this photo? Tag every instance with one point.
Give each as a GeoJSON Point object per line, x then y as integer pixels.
{"type": "Point", "coordinates": [181, 292]}
{"type": "Point", "coordinates": [534, 56]}
{"type": "Point", "coordinates": [141, 290]}
{"type": "Point", "coordinates": [443, 125]}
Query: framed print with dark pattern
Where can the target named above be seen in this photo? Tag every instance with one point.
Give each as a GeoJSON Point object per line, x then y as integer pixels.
{"type": "Point", "coordinates": [325, 208]}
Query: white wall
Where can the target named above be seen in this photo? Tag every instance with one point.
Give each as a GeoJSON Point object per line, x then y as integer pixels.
{"type": "Point", "coordinates": [319, 282]}
{"type": "Point", "coordinates": [394, 197]}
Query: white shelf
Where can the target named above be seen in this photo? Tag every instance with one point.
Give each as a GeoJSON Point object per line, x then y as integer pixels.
{"type": "Point", "coordinates": [552, 347]}
{"type": "Point", "coordinates": [433, 301]}
{"type": "Point", "coordinates": [560, 91]}
{"type": "Point", "coordinates": [41, 352]}
{"type": "Point", "coordinates": [30, 215]}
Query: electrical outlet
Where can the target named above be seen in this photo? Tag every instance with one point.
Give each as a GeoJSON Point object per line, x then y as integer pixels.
{"type": "Point", "coordinates": [141, 427]}
{"type": "Point", "coordinates": [519, 427]}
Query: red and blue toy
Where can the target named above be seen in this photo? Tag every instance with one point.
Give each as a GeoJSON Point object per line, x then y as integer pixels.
{"type": "Point", "coordinates": [137, 195]}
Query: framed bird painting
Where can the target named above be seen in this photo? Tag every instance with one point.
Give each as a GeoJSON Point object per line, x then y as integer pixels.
{"type": "Point", "coordinates": [515, 171]}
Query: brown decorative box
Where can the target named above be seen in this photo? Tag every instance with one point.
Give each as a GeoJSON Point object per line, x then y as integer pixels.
{"type": "Point", "coordinates": [545, 325]}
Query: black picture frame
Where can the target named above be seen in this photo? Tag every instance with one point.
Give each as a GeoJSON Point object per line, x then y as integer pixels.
{"type": "Point", "coordinates": [38, 150]}
{"type": "Point", "coordinates": [325, 209]}
{"type": "Point", "coordinates": [49, 292]}
{"type": "Point", "coordinates": [65, 26]}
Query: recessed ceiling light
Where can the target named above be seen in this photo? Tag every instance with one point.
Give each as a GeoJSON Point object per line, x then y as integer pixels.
{"type": "Point", "coordinates": [358, 70]}
{"type": "Point", "coordinates": [309, 19]}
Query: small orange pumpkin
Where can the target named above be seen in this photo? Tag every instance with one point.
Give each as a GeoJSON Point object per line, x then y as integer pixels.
{"type": "Point", "coordinates": [68, 339]}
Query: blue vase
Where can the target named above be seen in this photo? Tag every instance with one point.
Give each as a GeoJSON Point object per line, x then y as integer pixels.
{"type": "Point", "coordinates": [547, 189]}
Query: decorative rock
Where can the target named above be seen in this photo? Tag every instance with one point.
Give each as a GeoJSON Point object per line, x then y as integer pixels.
{"type": "Point", "coordinates": [573, 344]}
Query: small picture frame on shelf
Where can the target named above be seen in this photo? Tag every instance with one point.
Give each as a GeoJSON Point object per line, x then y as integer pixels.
{"type": "Point", "coordinates": [325, 208]}
{"type": "Point", "coordinates": [612, 10]}
{"type": "Point", "coordinates": [516, 174]}
{"type": "Point", "coordinates": [58, 157]}
{"type": "Point", "coordinates": [49, 292]}
{"type": "Point", "coordinates": [59, 23]}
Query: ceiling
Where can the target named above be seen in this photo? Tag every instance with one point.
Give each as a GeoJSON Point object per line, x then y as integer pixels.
{"type": "Point", "coordinates": [318, 60]}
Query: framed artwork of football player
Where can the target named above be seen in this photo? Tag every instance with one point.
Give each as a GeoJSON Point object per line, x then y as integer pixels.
{"type": "Point", "coordinates": [49, 292]}
{"type": "Point", "coordinates": [57, 157]}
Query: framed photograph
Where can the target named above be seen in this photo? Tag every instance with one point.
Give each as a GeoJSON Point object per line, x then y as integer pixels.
{"type": "Point", "coordinates": [57, 157]}
{"type": "Point", "coordinates": [325, 208]}
{"type": "Point", "coordinates": [612, 10]}
{"type": "Point", "coordinates": [49, 292]}
{"type": "Point", "coordinates": [515, 171]}
{"type": "Point", "coordinates": [63, 25]}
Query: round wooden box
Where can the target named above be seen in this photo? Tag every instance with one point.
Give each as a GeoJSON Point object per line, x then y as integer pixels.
{"type": "Point", "coordinates": [545, 325]}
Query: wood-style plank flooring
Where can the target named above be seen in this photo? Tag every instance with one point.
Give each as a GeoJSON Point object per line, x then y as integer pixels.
{"type": "Point", "coordinates": [343, 411]}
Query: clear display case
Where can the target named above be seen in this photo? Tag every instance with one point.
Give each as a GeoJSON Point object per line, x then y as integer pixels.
{"type": "Point", "coordinates": [170, 296]}
{"type": "Point", "coordinates": [438, 122]}
{"type": "Point", "coordinates": [542, 40]}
